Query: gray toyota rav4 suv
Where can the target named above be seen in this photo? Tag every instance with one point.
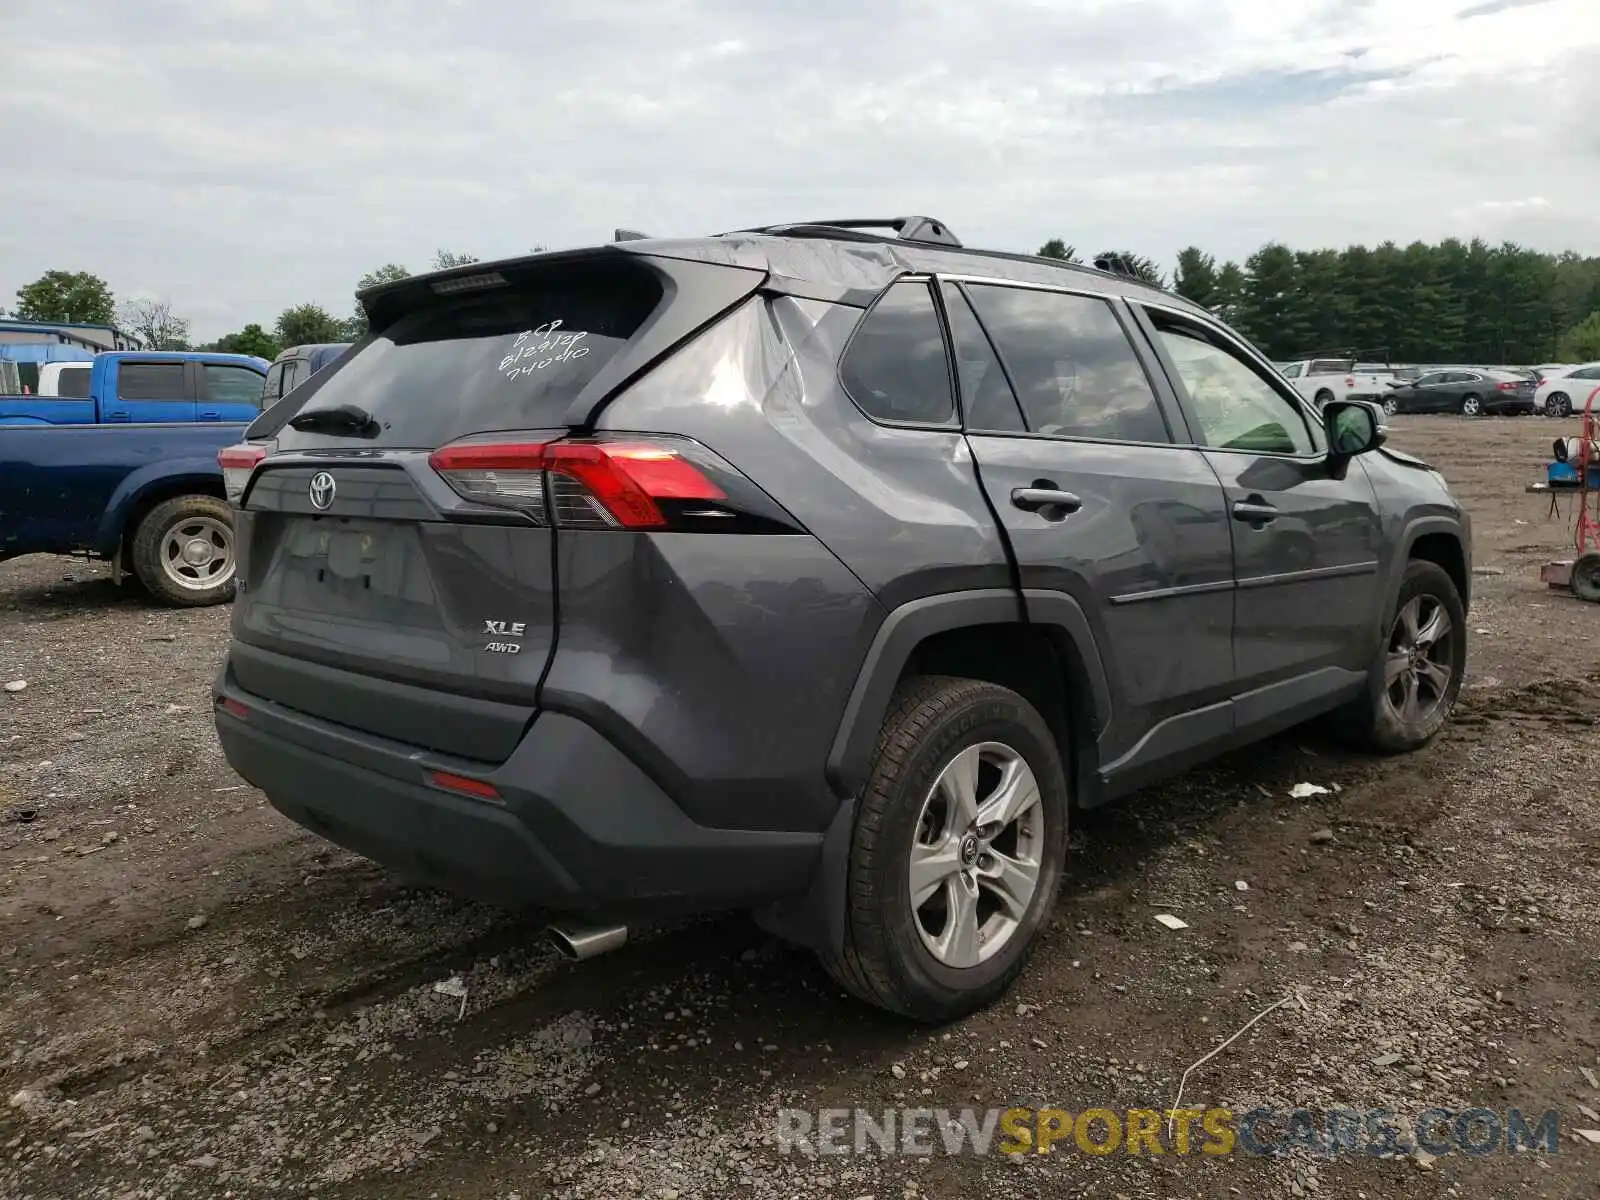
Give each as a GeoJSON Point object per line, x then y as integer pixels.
{"type": "Point", "coordinates": [821, 570]}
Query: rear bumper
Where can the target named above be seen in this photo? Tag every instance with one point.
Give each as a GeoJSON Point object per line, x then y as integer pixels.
{"type": "Point", "coordinates": [578, 827]}
{"type": "Point", "coordinates": [1517, 404]}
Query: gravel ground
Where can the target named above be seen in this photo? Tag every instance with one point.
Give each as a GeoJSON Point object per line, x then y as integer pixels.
{"type": "Point", "coordinates": [198, 999]}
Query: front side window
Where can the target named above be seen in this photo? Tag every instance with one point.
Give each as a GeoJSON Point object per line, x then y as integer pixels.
{"type": "Point", "coordinates": [230, 385]}
{"type": "Point", "coordinates": [1292, 371]}
{"type": "Point", "coordinates": [896, 368]}
{"type": "Point", "coordinates": [1235, 406]}
{"type": "Point", "coordinates": [150, 381]}
{"type": "Point", "coordinates": [1076, 374]}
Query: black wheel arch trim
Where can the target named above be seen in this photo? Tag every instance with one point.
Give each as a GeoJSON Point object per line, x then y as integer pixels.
{"type": "Point", "coordinates": [906, 627]}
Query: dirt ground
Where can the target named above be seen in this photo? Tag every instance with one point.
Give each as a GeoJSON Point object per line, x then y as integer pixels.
{"type": "Point", "coordinates": [198, 999]}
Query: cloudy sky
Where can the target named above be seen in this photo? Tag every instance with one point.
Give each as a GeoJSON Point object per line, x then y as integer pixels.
{"type": "Point", "coordinates": [239, 156]}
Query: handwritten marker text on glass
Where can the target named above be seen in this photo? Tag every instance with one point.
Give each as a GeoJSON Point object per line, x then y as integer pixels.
{"type": "Point", "coordinates": [536, 349]}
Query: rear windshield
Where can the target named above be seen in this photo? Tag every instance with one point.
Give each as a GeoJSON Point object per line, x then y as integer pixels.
{"type": "Point", "coordinates": [509, 358]}
{"type": "Point", "coordinates": [73, 383]}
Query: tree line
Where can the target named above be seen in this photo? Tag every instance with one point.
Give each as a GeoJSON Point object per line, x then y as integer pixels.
{"type": "Point", "coordinates": [1463, 302]}
{"type": "Point", "coordinates": [78, 297]}
{"type": "Point", "coordinates": [1454, 301]}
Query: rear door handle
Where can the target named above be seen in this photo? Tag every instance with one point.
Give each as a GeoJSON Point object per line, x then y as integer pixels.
{"type": "Point", "coordinates": [1257, 512]}
{"type": "Point", "coordinates": [210, 416]}
{"type": "Point", "coordinates": [116, 416]}
{"type": "Point", "coordinates": [1051, 503]}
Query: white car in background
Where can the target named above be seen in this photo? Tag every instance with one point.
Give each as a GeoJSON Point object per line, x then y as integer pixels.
{"type": "Point", "coordinates": [1561, 395]}
{"type": "Point", "coordinates": [1320, 380]}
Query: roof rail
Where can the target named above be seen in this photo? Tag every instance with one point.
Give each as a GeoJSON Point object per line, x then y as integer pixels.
{"type": "Point", "coordinates": [1113, 263]}
{"type": "Point", "coordinates": [905, 229]}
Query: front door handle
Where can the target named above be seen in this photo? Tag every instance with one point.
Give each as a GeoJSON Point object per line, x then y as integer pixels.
{"type": "Point", "coordinates": [1255, 510]}
{"type": "Point", "coordinates": [1051, 503]}
{"type": "Point", "coordinates": [119, 415]}
{"type": "Point", "coordinates": [211, 416]}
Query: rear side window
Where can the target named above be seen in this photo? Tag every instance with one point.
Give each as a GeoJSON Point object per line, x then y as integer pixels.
{"type": "Point", "coordinates": [896, 368]}
{"type": "Point", "coordinates": [150, 381]}
{"type": "Point", "coordinates": [986, 396]}
{"type": "Point", "coordinates": [1075, 372]}
{"type": "Point", "coordinates": [231, 385]}
{"type": "Point", "coordinates": [73, 383]}
{"type": "Point", "coordinates": [512, 358]}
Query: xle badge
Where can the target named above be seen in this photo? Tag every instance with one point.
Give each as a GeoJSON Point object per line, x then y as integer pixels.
{"type": "Point", "coordinates": [504, 629]}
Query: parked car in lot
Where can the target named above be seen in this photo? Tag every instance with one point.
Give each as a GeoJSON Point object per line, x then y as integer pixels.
{"type": "Point", "coordinates": [1322, 380]}
{"type": "Point", "coordinates": [1471, 393]}
{"type": "Point", "coordinates": [816, 570]}
{"type": "Point", "coordinates": [147, 498]}
{"type": "Point", "coordinates": [130, 387]}
{"type": "Point", "coordinates": [69, 380]}
{"type": "Point", "coordinates": [295, 365]}
{"type": "Point", "coordinates": [1564, 391]}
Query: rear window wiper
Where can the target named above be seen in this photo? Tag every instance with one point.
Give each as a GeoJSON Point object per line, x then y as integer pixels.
{"type": "Point", "coordinates": [344, 418]}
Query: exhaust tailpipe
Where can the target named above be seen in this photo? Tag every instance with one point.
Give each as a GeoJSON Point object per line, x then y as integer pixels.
{"type": "Point", "coordinates": [579, 942]}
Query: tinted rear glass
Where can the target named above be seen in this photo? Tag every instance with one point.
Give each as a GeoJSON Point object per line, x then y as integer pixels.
{"type": "Point", "coordinates": [150, 381]}
{"type": "Point", "coordinates": [511, 358]}
{"type": "Point", "coordinates": [73, 383]}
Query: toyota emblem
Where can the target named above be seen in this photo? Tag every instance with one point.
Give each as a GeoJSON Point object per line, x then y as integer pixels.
{"type": "Point", "coordinates": [322, 490]}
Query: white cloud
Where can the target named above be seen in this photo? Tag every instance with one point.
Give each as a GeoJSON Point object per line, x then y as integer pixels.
{"type": "Point", "coordinates": [242, 157]}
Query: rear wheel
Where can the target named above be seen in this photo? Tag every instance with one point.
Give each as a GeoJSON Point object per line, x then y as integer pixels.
{"type": "Point", "coordinates": [1413, 686]}
{"type": "Point", "coordinates": [1391, 406]}
{"type": "Point", "coordinates": [957, 852]}
{"type": "Point", "coordinates": [183, 551]}
{"type": "Point", "coordinates": [1471, 406]}
{"type": "Point", "coordinates": [1324, 397]}
{"type": "Point", "coordinates": [1558, 404]}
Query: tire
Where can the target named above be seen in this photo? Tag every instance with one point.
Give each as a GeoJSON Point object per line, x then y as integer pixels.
{"type": "Point", "coordinates": [1391, 407]}
{"type": "Point", "coordinates": [160, 552]}
{"type": "Point", "coordinates": [1558, 404]}
{"type": "Point", "coordinates": [1378, 719]}
{"type": "Point", "coordinates": [888, 957]}
{"type": "Point", "coordinates": [1471, 406]}
{"type": "Point", "coordinates": [1323, 397]}
{"type": "Point", "coordinates": [1585, 582]}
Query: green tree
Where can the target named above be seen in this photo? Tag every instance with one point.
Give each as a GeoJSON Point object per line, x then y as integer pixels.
{"type": "Point", "coordinates": [443, 260]}
{"type": "Point", "coordinates": [306, 324]}
{"type": "Point", "coordinates": [1056, 248]}
{"type": "Point", "coordinates": [1229, 297]}
{"type": "Point", "coordinates": [252, 339]}
{"type": "Point", "coordinates": [1581, 343]}
{"type": "Point", "coordinates": [1196, 277]}
{"type": "Point", "coordinates": [68, 297]}
{"type": "Point", "coordinates": [1275, 309]}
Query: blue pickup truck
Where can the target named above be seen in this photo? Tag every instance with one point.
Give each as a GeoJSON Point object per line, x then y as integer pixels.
{"type": "Point", "coordinates": [130, 474]}
{"type": "Point", "coordinates": [130, 387]}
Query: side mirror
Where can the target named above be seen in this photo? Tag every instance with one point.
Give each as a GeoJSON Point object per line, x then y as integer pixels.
{"type": "Point", "coordinates": [1352, 428]}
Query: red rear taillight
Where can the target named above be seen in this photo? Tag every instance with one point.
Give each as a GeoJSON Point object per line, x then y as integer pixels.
{"type": "Point", "coordinates": [1349, 381]}
{"type": "Point", "coordinates": [1507, 386]}
{"type": "Point", "coordinates": [596, 484]}
{"type": "Point", "coordinates": [237, 462]}
{"type": "Point", "coordinates": [233, 708]}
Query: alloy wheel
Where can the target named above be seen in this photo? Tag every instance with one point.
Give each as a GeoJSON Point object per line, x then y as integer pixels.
{"type": "Point", "coordinates": [1421, 660]}
{"type": "Point", "coordinates": [976, 855]}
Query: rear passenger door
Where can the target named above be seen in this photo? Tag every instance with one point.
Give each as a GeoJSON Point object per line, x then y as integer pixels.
{"type": "Point", "coordinates": [1087, 465]}
{"type": "Point", "coordinates": [227, 392]}
{"type": "Point", "coordinates": [150, 390]}
{"type": "Point", "coordinates": [1307, 536]}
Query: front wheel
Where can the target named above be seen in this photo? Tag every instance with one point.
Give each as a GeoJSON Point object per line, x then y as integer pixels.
{"type": "Point", "coordinates": [1412, 688]}
{"type": "Point", "coordinates": [957, 851]}
{"type": "Point", "coordinates": [1558, 404]}
{"type": "Point", "coordinates": [1471, 406]}
{"type": "Point", "coordinates": [183, 551]}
